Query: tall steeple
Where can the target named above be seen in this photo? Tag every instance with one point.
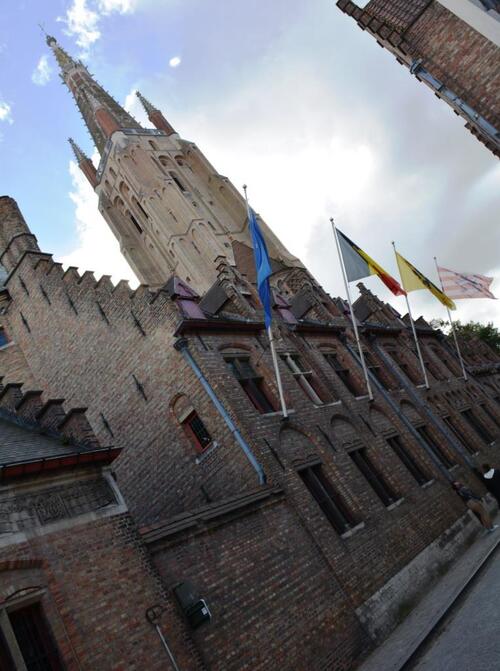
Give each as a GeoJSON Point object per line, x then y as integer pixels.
{"type": "Point", "coordinates": [155, 115]}
{"type": "Point", "coordinates": [170, 210]}
{"type": "Point", "coordinates": [92, 100]}
{"type": "Point", "coordinates": [84, 163]}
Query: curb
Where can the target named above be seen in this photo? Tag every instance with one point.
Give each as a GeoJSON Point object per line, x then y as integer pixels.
{"type": "Point", "coordinates": [417, 651]}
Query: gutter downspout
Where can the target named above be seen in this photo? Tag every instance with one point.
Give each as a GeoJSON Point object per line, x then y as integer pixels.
{"type": "Point", "coordinates": [181, 345]}
{"type": "Point", "coordinates": [395, 406]}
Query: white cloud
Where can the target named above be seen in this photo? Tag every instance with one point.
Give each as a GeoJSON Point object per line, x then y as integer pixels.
{"type": "Point", "coordinates": [120, 6]}
{"type": "Point", "coordinates": [42, 73]}
{"type": "Point", "coordinates": [83, 18]}
{"type": "Point", "coordinates": [97, 249]}
{"type": "Point", "coordinates": [6, 112]}
{"type": "Point", "coordinates": [175, 62]}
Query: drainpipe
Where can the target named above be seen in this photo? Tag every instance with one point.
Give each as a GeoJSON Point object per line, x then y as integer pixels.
{"type": "Point", "coordinates": [395, 406]}
{"type": "Point", "coordinates": [439, 425]}
{"type": "Point", "coordinates": [181, 345]}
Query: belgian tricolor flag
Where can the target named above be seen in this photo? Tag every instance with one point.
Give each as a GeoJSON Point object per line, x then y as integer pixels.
{"type": "Point", "coordinates": [358, 265]}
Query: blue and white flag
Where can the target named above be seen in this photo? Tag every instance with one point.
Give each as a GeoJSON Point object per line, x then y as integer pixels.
{"type": "Point", "coordinates": [262, 266]}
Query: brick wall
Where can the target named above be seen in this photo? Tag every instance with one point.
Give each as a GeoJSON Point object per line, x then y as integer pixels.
{"type": "Point", "coordinates": [97, 584]}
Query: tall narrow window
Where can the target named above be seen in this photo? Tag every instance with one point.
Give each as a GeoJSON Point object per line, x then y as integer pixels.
{"type": "Point", "coordinates": [177, 181]}
{"type": "Point", "coordinates": [3, 338]}
{"type": "Point", "coordinates": [196, 430]}
{"type": "Point", "coordinates": [252, 383]}
{"type": "Point", "coordinates": [410, 373]}
{"type": "Point", "coordinates": [374, 477]}
{"type": "Point", "coordinates": [377, 371]}
{"type": "Point", "coordinates": [343, 372]}
{"type": "Point", "coordinates": [488, 412]}
{"type": "Point", "coordinates": [135, 222]}
{"type": "Point", "coordinates": [408, 460]}
{"type": "Point", "coordinates": [477, 425]}
{"type": "Point", "coordinates": [459, 436]}
{"type": "Point", "coordinates": [34, 639]}
{"type": "Point", "coordinates": [306, 379]}
{"type": "Point", "coordinates": [436, 449]}
{"type": "Point", "coordinates": [327, 498]}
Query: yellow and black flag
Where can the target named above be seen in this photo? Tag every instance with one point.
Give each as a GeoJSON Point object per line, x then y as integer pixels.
{"type": "Point", "coordinates": [413, 280]}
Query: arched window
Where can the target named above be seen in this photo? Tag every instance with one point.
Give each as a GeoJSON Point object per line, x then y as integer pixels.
{"type": "Point", "coordinates": [315, 478]}
{"type": "Point", "coordinates": [178, 182]}
{"type": "Point", "coordinates": [192, 424]}
{"type": "Point", "coordinates": [306, 379]}
{"type": "Point", "coordinates": [252, 383]}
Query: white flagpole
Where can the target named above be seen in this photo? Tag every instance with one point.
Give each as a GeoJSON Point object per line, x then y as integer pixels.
{"type": "Point", "coordinates": [353, 317]}
{"type": "Point", "coordinates": [452, 327]}
{"type": "Point", "coordinates": [426, 379]}
{"type": "Point", "coordinates": [271, 344]}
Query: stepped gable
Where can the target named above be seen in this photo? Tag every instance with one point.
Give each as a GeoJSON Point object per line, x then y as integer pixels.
{"type": "Point", "coordinates": [37, 436]}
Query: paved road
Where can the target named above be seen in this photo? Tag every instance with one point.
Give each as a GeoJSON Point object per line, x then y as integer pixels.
{"type": "Point", "coordinates": [470, 639]}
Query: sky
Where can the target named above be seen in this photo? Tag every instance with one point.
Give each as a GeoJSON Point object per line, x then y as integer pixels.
{"type": "Point", "coordinates": [289, 97]}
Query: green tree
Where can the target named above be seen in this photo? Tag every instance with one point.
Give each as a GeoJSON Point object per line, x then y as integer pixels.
{"type": "Point", "coordinates": [487, 332]}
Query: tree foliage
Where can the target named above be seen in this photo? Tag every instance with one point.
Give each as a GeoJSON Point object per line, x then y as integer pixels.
{"type": "Point", "coordinates": [489, 333]}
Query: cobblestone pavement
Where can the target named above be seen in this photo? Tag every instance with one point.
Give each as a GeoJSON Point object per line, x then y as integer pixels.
{"type": "Point", "coordinates": [470, 639]}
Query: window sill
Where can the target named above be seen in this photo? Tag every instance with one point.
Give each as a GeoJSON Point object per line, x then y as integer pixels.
{"type": "Point", "coordinates": [352, 531]}
{"type": "Point", "coordinates": [426, 485]}
{"type": "Point", "coordinates": [328, 405]}
{"type": "Point", "coordinates": [276, 413]}
{"type": "Point", "coordinates": [360, 398]}
{"type": "Point", "coordinates": [396, 503]}
{"type": "Point", "coordinates": [7, 345]}
{"type": "Point", "coordinates": [206, 452]}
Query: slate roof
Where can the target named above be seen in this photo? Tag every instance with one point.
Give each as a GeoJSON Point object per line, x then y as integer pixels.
{"type": "Point", "coordinates": [22, 442]}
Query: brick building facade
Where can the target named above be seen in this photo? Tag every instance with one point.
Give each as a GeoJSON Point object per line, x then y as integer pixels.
{"type": "Point", "coordinates": [306, 538]}
{"type": "Point", "coordinates": [452, 46]}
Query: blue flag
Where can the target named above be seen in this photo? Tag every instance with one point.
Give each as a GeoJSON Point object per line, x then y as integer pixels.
{"type": "Point", "coordinates": [262, 266]}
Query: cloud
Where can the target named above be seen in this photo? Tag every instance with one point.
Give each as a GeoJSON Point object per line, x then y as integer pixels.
{"type": "Point", "coordinates": [175, 61]}
{"type": "Point", "coordinates": [97, 249]}
{"type": "Point", "coordinates": [6, 112]}
{"type": "Point", "coordinates": [42, 73]}
{"type": "Point", "coordinates": [83, 18]}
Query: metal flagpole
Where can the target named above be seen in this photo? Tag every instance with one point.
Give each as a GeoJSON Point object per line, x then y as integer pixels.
{"type": "Point", "coordinates": [452, 327]}
{"type": "Point", "coordinates": [271, 343]}
{"type": "Point", "coordinates": [426, 379]}
{"type": "Point", "coordinates": [353, 318]}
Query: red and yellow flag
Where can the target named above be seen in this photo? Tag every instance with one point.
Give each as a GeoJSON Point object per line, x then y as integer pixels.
{"type": "Point", "coordinates": [358, 265]}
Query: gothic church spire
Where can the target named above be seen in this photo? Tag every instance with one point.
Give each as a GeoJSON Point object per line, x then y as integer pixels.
{"type": "Point", "coordinates": [95, 104]}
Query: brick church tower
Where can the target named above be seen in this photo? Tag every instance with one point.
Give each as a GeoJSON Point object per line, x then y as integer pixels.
{"type": "Point", "coordinates": [452, 46]}
{"type": "Point", "coordinates": [170, 210]}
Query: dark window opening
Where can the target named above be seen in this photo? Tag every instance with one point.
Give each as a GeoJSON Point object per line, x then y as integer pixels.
{"type": "Point", "coordinates": [406, 369]}
{"type": "Point", "coordinates": [374, 477]}
{"type": "Point", "coordinates": [327, 498]}
{"type": "Point", "coordinates": [178, 182]}
{"type": "Point", "coordinates": [377, 371]}
{"type": "Point", "coordinates": [305, 378]}
{"type": "Point", "coordinates": [408, 460]}
{"type": "Point", "coordinates": [343, 372]}
{"type": "Point", "coordinates": [477, 425]}
{"type": "Point", "coordinates": [485, 409]}
{"type": "Point", "coordinates": [142, 209]}
{"type": "Point", "coordinates": [3, 338]}
{"type": "Point", "coordinates": [34, 639]}
{"type": "Point", "coordinates": [436, 449]}
{"type": "Point", "coordinates": [197, 431]}
{"type": "Point", "coordinates": [136, 223]}
{"type": "Point", "coordinates": [252, 383]}
{"type": "Point", "coordinates": [459, 436]}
